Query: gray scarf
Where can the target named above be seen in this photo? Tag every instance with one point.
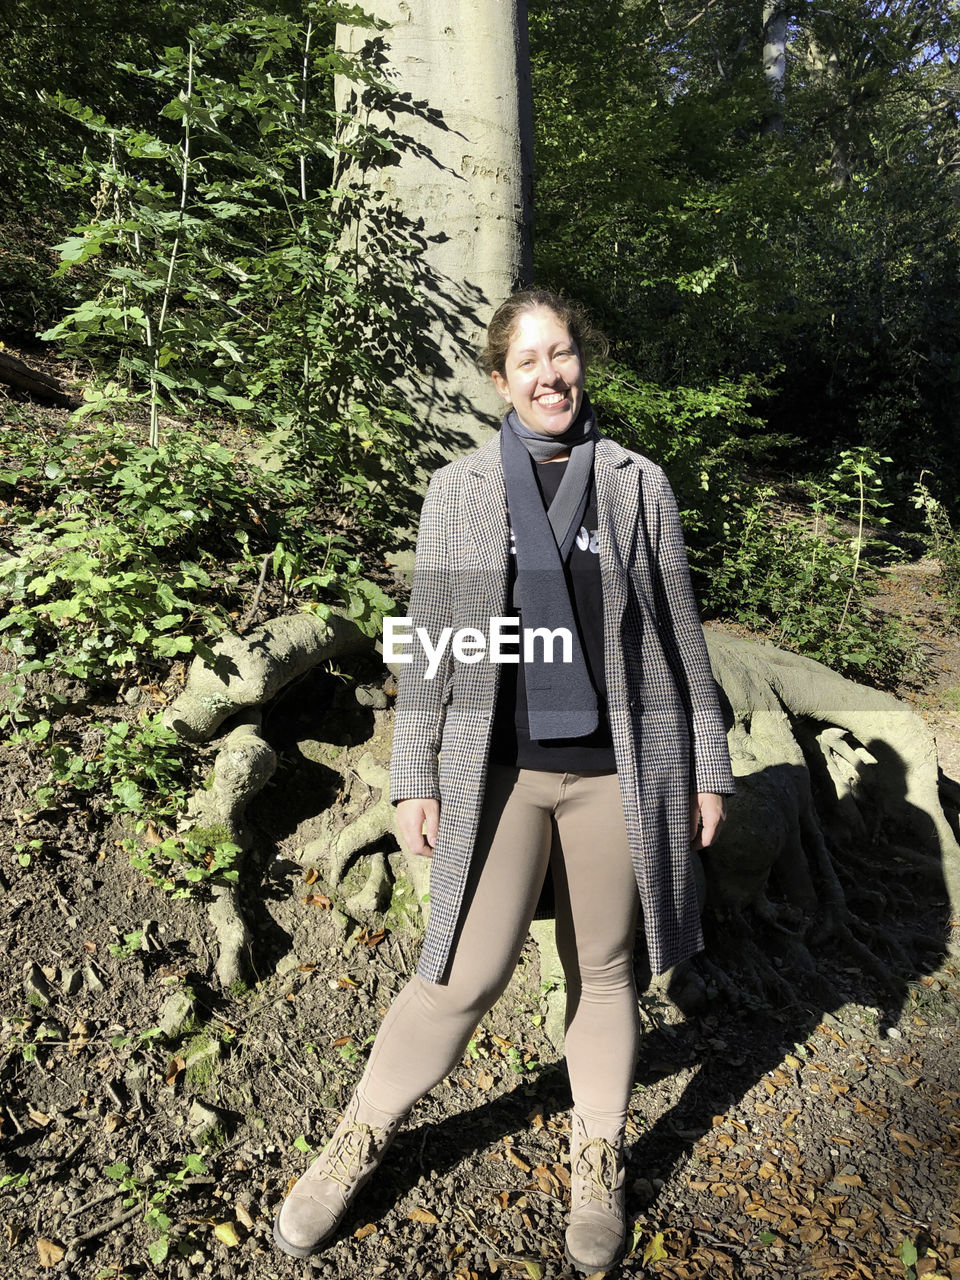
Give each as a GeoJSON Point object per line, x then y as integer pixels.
{"type": "Point", "coordinates": [561, 699]}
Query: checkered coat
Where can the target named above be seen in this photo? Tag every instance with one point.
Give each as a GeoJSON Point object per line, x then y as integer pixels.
{"type": "Point", "coordinates": [668, 731]}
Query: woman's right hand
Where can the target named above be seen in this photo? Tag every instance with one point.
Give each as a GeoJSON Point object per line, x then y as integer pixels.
{"type": "Point", "coordinates": [418, 821]}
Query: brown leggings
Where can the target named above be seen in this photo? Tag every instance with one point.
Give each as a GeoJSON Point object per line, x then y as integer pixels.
{"type": "Point", "coordinates": [574, 824]}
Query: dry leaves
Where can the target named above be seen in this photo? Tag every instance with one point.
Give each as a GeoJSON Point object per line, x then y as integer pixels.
{"type": "Point", "coordinates": [423, 1215]}
{"type": "Point", "coordinates": [243, 1215]}
{"type": "Point", "coordinates": [175, 1068]}
{"type": "Point", "coordinates": [50, 1253]}
{"type": "Point", "coordinates": [317, 900]}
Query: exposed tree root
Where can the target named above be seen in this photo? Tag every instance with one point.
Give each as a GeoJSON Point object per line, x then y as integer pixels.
{"type": "Point", "coordinates": [243, 766]}
{"type": "Point", "coordinates": [833, 779]}
{"type": "Point", "coordinates": [250, 670]}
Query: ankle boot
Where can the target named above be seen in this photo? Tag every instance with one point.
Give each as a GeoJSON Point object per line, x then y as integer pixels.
{"type": "Point", "coordinates": [318, 1201]}
{"type": "Point", "coordinates": [596, 1235]}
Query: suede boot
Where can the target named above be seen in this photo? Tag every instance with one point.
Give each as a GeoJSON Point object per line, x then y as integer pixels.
{"type": "Point", "coordinates": [318, 1201]}
{"type": "Point", "coordinates": [597, 1232]}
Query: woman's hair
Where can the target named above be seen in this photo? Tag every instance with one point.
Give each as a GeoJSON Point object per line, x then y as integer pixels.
{"type": "Point", "coordinates": [590, 343]}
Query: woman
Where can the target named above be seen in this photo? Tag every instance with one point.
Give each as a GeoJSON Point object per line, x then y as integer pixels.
{"type": "Point", "coordinates": [603, 768]}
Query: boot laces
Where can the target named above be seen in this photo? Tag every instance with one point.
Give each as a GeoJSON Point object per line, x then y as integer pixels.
{"type": "Point", "coordinates": [349, 1151]}
{"type": "Point", "coordinates": [598, 1168]}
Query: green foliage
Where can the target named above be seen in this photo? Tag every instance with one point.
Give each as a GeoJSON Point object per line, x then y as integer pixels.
{"type": "Point", "coordinates": [217, 270]}
{"type": "Point", "coordinates": [153, 1195]}
{"type": "Point", "coordinates": [807, 585]}
{"type": "Point", "coordinates": [822, 260]}
{"type": "Point", "coordinates": [943, 541]}
{"type": "Point", "coordinates": [179, 864]}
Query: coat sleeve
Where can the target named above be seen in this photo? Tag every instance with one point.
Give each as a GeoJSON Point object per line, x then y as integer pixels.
{"type": "Point", "coordinates": [418, 723]}
{"type": "Point", "coordinates": [681, 632]}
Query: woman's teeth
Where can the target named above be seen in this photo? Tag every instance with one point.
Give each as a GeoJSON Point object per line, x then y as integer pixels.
{"type": "Point", "coordinates": [550, 400]}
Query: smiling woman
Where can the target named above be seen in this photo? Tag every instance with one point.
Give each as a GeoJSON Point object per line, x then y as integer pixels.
{"type": "Point", "coordinates": [597, 773]}
{"type": "Point", "coordinates": [543, 374]}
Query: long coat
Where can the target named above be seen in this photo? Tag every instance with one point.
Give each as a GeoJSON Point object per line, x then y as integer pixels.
{"type": "Point", "coordinates": [667, 728]}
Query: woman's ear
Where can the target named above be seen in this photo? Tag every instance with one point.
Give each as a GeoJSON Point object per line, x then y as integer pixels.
{"type": "Point", "coordinates": [500, 382]}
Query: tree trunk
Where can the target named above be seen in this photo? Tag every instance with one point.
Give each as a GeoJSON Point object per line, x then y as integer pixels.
{"type": "Point", "coordinates": [774, 62]}
{"type": "Point", "coordinates": [456, 185]}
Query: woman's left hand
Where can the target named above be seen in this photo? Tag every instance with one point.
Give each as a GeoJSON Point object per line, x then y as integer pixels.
{"type": "Point", "coordinates": [707, 812]}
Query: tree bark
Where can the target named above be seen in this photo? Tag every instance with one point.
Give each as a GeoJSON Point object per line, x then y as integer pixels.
{"type": "Point", "coordinates": [459, 179]}
{"type": "Point", "coordinates": [774, 62]}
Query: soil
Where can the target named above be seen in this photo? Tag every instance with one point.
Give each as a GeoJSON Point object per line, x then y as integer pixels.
{"type": "Point", "coordinates": [151, 1121]}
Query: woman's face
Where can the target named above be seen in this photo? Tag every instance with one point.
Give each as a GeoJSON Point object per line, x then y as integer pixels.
{"type": "Point", "coordinates": [543, 373]}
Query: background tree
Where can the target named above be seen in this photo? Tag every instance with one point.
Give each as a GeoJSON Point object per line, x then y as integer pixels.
{"type": "Point", "coordinates": [448, 188]}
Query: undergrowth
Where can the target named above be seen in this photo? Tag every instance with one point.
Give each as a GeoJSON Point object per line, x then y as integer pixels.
{"type": "Point", "coordinates": [806, 582]}
{"type": "Point", "coordinates": [942, 541]}
{"type": "Point", "coordinates": [116, 559]}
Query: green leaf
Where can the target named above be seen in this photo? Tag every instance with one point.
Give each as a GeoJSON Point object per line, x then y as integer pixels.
{"type": "Point", "coordinates": [533, 1269]}
{"type": "Point", "coordinates": [302, 1145]}
{"type": "Point", "coordinates": [655, 1252]}
{"type": "Point", "coordinates": [907, 1253]}
{"type": "Point", "coordinates": [158, 1250]}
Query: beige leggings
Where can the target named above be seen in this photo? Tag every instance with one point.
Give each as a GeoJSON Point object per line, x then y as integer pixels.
{"type": "Point", "coordinates": [574, 824]}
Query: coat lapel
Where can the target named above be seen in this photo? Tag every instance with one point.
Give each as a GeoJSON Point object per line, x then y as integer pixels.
{"type": "Point", "coordinates": [617, 479]}
{"type": "Point", "coordinates": [487, 530]}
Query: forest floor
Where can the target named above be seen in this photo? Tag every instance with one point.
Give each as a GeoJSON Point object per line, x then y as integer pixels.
{"type": "Point", "coordinates": [151, 1121]}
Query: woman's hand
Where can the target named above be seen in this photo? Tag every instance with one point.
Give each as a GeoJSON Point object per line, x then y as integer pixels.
{"type": "Point", "coordinates": [707, 812]}
{"type": "Point", "coordinates": [418, 821]}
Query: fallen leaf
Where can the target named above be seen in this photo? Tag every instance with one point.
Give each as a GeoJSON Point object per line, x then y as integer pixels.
{"type": "Point", "coordinates": [562, 1175]}
{"type": "Point", "coordinates": [111, 1121]}
{"type": "Point", "coordinates": [810, 1234]}
{"type": "Point", "coordinates": [175, 1067]}
{"type": "Point", "coordinates": [50, 1253]}
{"type": "Point", "coordinates": [342, 1041]}
{"type": "Point", "coordinates": [38, 1117]}
{"type": "Point", "coordinates": [849, 1180]}
{"type": "Point", "coordinates": [423, 1215]}
{"type": "Point", "coordinates": [655, 1252]}
{"type": "Point", "coordinates": [90, 947]}
{"type": "Point", "coordinates": [226, 1233]}
{"type": "Point", "coordinates": [485, 1079]}
{"type": "Point", "coordinates": [311, 875]}
{"type": "Point", "coordinates": [535, 1118]}
{"type": "Point", "coordinates": [504, 1199]}
{"type": "Point", "coordinates": [317, 900]}
{"type": "Point", "coordinates": [243, 1215]}
{"type": "Point", "coordinates": [346, 982]}
{"type": "Point", "coordinates": [533, 1269]}
{"type": "Point", "coordinates": [373, 939]}
{"type": "Point", "coordinates": [152, 835]}
{"type": "Point", "coordinates": [517, 1160]}
{"type": "Point", "coordinates": [362, 1232]}
{"type": "Point", "coordinates": [899, 1136]}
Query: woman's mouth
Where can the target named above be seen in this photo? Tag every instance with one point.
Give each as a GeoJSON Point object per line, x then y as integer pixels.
{"type": "Point", "coordinates": [551, 400]}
